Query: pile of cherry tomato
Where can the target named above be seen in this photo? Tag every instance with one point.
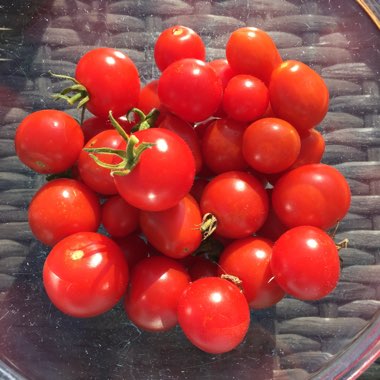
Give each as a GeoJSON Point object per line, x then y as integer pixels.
{"type": "Point", "coordinates": [194, 198]}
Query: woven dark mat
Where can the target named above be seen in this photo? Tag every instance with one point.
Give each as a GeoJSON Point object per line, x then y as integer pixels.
{"type": "Point", "coordinates": [292, 340]}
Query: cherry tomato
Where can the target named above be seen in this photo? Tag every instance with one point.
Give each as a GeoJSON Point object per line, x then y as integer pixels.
{"type": "Point", "coordinates": [108, 69]}
{"type": "Point", "coordinates": [249, 260]}
{"type": "Point", "coordinates": [305, 263]}
{"type": "Point", "coordinates": [298, 95]}
{"type": "Point", "coordinates": [163, 175]}
{"type": "Point", "coordinates": [252, 51]}
{"type": "Point", "coordinates": [85, 274]}
{"type": "Point", "coordinates": [156, 284]}
{"type": "Point", "coordinates": [245, 98]}
{"type": "Point", "coordinates": [62, 207]}
{"type": "Point", "coordinates": [223, 69]}
{"type": "Point", "coordinates": [175, 43]}
{"type": "Point", "coordinates": [238, 201]}
{"type": "Point", "coordinates": [221, 146]}
{"type": "Point", "coordinates": [118, 217]}
{"type": "Point", "coordinates": [190, 89]}
{"type": "Point", "coordinates": [198, 187]}
{"type": "Point", "coordinates": [271, 145]}
{"type": "Point", "coordinates": [49, 141]}
{"type": "Point", "coordinates": [315, 194]}
{"type": "Point", "coordinates": [213, 314]}
{"type": "Point", "coordinates": [174, 232]}
{"type": "Point", "coordinates": [98, 178]}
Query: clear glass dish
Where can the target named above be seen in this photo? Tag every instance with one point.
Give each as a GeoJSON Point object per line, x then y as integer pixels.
{"type": "Point", "coordinates": [337, 337]}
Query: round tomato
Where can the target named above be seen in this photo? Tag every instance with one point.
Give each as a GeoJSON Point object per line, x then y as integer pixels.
{"type": "Point", "coordinates": [174, 232]}
{"type": "Point", "coordinates": [156, 284]}
{"type": "Point", "coordinates": [111, 80]}
{"type": "Point", "coordinates": [175, 43]}
{"type": "Point", "coordinates": [315, 194]}
{"type": "Point", "coordinates": [213, 314]}
{"type": "Point", "coordinates": [49, 141]}
{"type": "Point", "coordinates": [249, 260]}
{"type": "Point", "coordinates": [298, 94]}
{"type": "Point", "coordinates": [62, 207]}
{"type": "Point", "coordinates": [305, 263]}
{"type": "Point", "coordinates": [85, 274]}
{"type": "Point", "coordinates": [191, 89]}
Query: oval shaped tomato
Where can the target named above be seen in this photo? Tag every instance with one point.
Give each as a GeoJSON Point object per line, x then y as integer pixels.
{"type": "Point", "coordinates": [249, 260]}
{"type": "Point", "coordinates": [174, 232]}
{"type": "Point", "coordinates": [298, 94]}
{"type": "Point", "coordinates": [305, 263]}
{"type": "Point", "coordinates": [156, 284]}
{"type": "Point", "coordinates": [213, 314]}
{"type": "Point", "coordinates": [62, 207]}
{"type": "Point", "coordinates": [163, 175]}
{"type": "Point", "coordinates": [190, 89]}
{"type": "Point", "coordinates": [49, 141]}
{"type": "Point", "coordinates": [315, 195]}
{"type": "Point", "coordinates": [175, 43]}
{"type": "Point", "coordinates": [85, 274]}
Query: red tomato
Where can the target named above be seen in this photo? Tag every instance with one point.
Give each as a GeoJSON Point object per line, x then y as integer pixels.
{"type": "Point", "coordinates": [175, 43]}
{"type": "Point", "coordinates": [49, 141]}
{"type": "Point", "coordinates": [108, 69]}
{"type": "Point", "coordinates": [252, 51]}
{"type": "Point", "coordinates": [315, 194]}
{"type": "Point", "coordinates": [163, 175]}
{"type": "Point", "coordinates": [245, 98]}
{"type": "Point", "coordinates": [213, 314]}
{"type": "Point", "coordinates": [156, 284]}
{"type": "Point", "coordinates": [198, 187]}
{"type": "Point", "coordinates": [62, 207]}
{"type": "Point", "coordinates": [298, 95]}
{"type": "Point", "coordinates": [85, 274]}
{"type": "Point", "coordinates": [119, 218]}
{"type": "Point", "coordinates": [305, 263]}
{"type": "Point", "coordinates": [96, 177]}
{"type": "Point", "coordinates": [271, 145]}
{"type": "Point", "coordinates": [191, 89]}
{"type": "Point", "coordinates": [238, 201]}
{"type": "Point", "coordinates": [134, 248]}
{"type": "Point", "coordinates": [249, 260]}
{"type": "Point", "coordinates": [223, 69]}
{"type": "Point", "coordinates": [174, 232]}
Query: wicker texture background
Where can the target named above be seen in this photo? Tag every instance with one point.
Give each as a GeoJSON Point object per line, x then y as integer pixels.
{"type": "Point", "coordinates": [292, 340]}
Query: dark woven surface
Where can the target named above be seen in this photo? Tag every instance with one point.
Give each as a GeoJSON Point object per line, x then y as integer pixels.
{"type": "Point", "coordinates": [293, 340]}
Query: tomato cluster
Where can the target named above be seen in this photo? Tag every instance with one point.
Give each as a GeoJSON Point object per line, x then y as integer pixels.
{"type": "Point", "coordinates": [196, 198]}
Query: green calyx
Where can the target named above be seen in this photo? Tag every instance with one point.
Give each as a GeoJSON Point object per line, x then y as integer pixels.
{"type": "Point", "coordinates": [129, 157]}
{"type": "Point", "coordinates": [145, 121]}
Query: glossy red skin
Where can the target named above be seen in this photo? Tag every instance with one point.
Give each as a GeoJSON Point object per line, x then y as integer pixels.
{"type": "Point", "coordinates": [246, 98]}
{"type": "Point", "coordinates": [62, 207]}
{"type": "Point", "coordinates": [223, 69]}
{"type": "Point", "coordinates": [175, 43]}
{"type": "Point", "coordinates": [315, 194]}
{"type": "Point", "coordinates": [214, 315]}
{"type": "Point", "coordinates": [85, 274]}
{"type": "Point", "coordinates": [174, 232]}
{"type": "Point", "coordinates": [187, 132]}
{"type": "Point", "coordinates": [271, 145]}
{"type": "Point", "coordinates": [222, 146]}
{"type": "Point", "coordinates": [305, 263]}
{"type": "Point", "coordinates": [118, 217]}
{"type": "Point", "coordinates": [106, 68]}
{"type": "Point", "coordinates": [252, 51]}
{"type": "Point", "coordinates": [97, 178]}
{"type": "Point", "coordinates": [134, 248]}
{"type": "Point", "coordinates": [163, 175]}
{"type": "Point", "coordinates": [238, 201]}
{"type": "Point", "coordinates": [48, 141]}
{"type": "Point", "coordinates": [298, 95]}
{"type": "Point", "coordinates": [156, 284]}
{"type": "Point", "coordinates": [249, 260]}
{"type": "Point", "coordinates": [190, 89]}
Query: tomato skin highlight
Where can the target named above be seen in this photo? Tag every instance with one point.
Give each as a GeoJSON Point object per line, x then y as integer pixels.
{"type": "Point", "coordinates": [85, 274]}
{"type": "Point", "coordinates": [305, 263]}
{"type": "Point", "coordinates": [213, 314]}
